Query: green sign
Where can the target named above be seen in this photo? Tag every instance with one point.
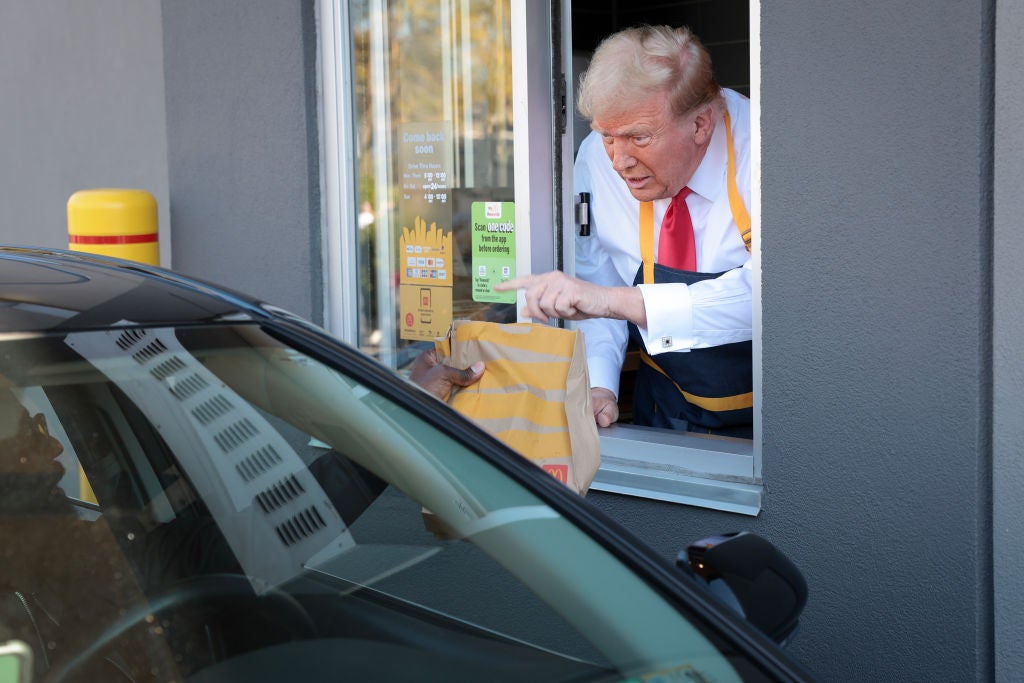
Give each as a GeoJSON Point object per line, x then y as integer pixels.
{"type": "Point", "coordinates": [494, 250]}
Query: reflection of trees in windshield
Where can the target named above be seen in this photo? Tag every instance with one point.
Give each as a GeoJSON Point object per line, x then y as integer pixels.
{"type": "Point", "coordinates": [443, 64]}
{"type": "Point", "coordinates": [442, 61]}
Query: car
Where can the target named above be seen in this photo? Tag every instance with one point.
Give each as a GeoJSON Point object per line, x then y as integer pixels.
{"type": "Point", "coordinates": [196, 485]}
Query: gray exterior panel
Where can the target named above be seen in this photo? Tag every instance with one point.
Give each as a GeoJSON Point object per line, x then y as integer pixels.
{"type": "Point", "coordinates": [242, 143]}
{"type": "Point", "coordinates": [82, 107]}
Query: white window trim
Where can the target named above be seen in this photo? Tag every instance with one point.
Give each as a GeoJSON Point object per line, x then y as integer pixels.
{"type": "Point", "coordinates": [337, 191]}
{"type": "Point", "coordinates": [755, 219]}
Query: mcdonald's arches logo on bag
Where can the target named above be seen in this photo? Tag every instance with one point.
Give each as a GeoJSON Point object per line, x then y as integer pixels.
{"type": "Point", "coordinates": [559, 472]}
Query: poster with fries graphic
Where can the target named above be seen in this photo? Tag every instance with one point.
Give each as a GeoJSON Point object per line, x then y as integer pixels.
{"type": "Point", "coordinates": [425, 242]}
{"type": "Point", "coordinates": [425, 281]}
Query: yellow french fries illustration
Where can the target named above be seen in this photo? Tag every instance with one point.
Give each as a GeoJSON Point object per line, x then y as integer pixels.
{"type": "Point", "coordinates": [434, 238]}
{"type": "Point", "coordinates": [434, 244]}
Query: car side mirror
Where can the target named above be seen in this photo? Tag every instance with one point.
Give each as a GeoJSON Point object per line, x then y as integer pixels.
{"type": "Point", "coordinates": [753, 577]}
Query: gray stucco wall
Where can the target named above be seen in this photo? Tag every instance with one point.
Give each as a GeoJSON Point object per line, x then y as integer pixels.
{"type": "Point", "coordinates": [877, 295]}
{"type": "Point", "coordinates": [877, 299]}
{"type": "Point", "coordinates": [243, 147]}
{"type": "Point", "coordinates": [1008, 361]}
{"type": "Point", "coordinates": [82, 107]}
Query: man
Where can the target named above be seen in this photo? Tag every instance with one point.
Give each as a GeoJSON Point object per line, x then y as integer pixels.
{"type": "Point", "coordinates": [677, 282]}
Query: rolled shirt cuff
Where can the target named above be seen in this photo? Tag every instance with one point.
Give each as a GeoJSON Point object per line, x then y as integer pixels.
{"type": "Point", "coordinates": [669, 309]}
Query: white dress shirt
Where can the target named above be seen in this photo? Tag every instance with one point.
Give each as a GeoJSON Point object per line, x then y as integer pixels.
{"type": "Point", "coordinates": [679, 317]}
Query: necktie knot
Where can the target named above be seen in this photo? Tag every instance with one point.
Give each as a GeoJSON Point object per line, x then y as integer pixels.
{"type": "Point", "coordinates": [676, 248]}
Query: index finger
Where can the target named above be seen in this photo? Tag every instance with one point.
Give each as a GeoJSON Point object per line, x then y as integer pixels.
{"type": "Point", "coordinates": [515, 283]}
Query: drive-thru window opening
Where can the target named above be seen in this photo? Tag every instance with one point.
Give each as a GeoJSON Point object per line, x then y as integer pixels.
{"type": "Point", "coordinates": [724, 28]}
{"type": "Point", "coordinates": [433, 203]}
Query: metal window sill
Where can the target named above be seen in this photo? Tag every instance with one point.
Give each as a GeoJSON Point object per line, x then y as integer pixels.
{"type": "Point", "coordinates": [689, 469]}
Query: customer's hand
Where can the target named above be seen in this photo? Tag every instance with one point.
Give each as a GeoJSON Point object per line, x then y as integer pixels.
{"type": "Point", "coordinates": [439, 379]}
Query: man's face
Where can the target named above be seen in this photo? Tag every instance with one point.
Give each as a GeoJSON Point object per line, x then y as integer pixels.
{"type": "Point", "coordinates": [653, 151]}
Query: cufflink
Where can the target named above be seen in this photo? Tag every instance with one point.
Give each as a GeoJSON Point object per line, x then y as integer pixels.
{"type": "Point", "coordinates": [666, 342]}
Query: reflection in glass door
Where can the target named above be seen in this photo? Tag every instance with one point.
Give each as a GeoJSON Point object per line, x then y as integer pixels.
{"type": "Point", "coordinates": [433, 176]}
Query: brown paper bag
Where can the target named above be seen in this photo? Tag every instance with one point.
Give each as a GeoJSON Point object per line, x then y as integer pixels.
{"type": "Point", "coordinates": [534, 394]}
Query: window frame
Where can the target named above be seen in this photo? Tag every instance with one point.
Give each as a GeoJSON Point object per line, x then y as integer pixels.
{"type": "Point", "coordinates": [714, 473]}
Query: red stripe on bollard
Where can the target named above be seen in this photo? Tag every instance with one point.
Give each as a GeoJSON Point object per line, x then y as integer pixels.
{"type": "Point", "coordinates": [112, 239]}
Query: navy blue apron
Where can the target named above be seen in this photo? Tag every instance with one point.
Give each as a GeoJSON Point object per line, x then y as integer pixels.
{"type": "Point", "coordinates": [702, 390]}
{"type": "Point", "coordinates": [706, 390]}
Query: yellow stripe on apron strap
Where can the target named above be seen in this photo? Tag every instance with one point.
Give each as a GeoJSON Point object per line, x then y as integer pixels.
{"type": "Point", "coordinates": [647, 240]}
{"type": "Point", "coordinates": [713, 404]}
{"type": "Point", "coordinates": [739, 210]}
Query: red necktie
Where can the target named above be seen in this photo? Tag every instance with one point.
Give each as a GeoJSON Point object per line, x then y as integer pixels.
{"type": "Point", "coordinates": [675, 245]}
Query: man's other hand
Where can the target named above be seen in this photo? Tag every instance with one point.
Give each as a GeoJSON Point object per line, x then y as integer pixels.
{"type": "Point", "coordinates": [606, 408]}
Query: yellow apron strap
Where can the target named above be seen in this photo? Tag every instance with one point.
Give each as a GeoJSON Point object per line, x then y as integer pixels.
{"type": "Point", "coordinates": [647, 240]}
{"type": "Point", "coordinates": [739, 210]}
{"type": "Point", "coordinates": [736, 402]}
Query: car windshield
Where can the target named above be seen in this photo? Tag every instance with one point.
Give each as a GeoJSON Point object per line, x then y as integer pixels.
{"type": "Point", "coordinates": [207, 502]}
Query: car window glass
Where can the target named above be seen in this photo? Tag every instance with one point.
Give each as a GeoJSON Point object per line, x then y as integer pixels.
{"type": "Point", "coordinates": [220, 452]}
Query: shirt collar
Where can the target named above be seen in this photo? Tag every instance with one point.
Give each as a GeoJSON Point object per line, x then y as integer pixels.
{"type": "Point", "coordinates": [708, 180]}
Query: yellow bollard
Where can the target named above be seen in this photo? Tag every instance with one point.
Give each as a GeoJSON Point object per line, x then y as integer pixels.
{"type": "Point", "coordinates": [114, 222]}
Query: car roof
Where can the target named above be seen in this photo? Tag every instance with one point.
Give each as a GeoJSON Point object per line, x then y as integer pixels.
{"type": "Point", "coordinates": [53, 289]}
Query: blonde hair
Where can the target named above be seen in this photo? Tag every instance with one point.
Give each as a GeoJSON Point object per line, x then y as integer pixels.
{"type": "Point", "coordinates": [637, 62]}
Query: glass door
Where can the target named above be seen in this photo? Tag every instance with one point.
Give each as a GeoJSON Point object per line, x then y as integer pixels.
{"type": "Point", "coordinates": [443, 159]}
